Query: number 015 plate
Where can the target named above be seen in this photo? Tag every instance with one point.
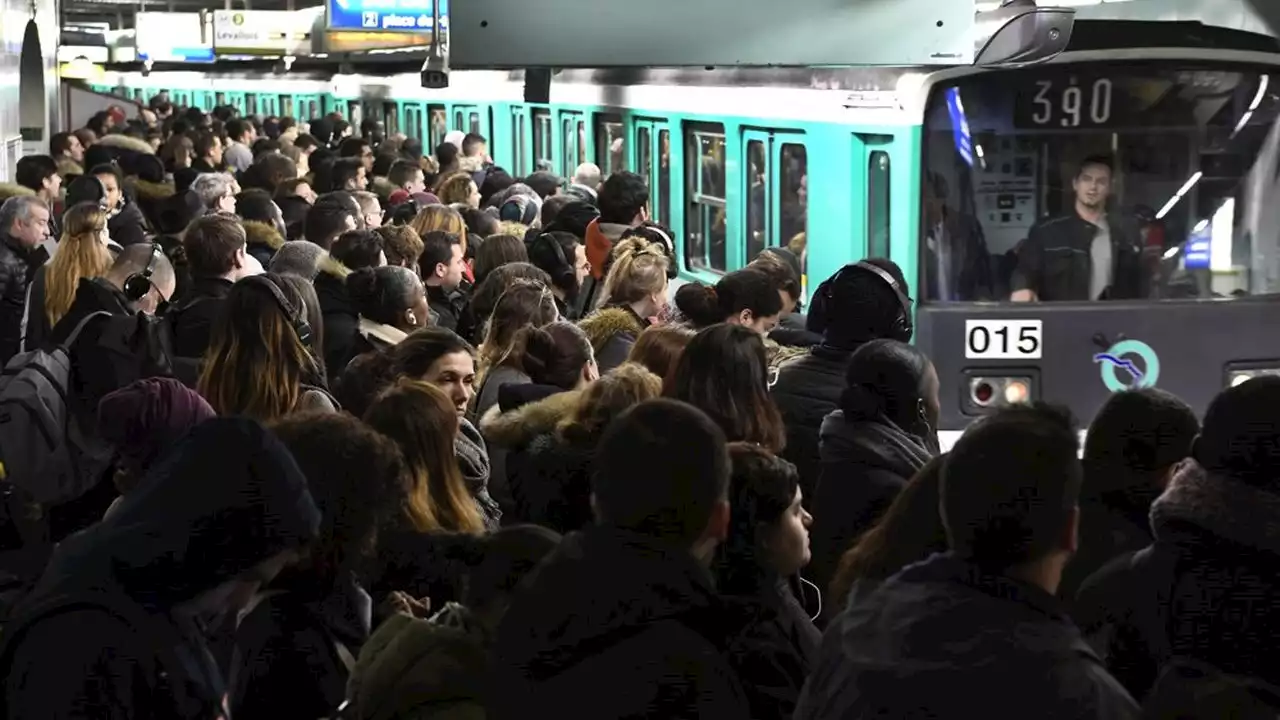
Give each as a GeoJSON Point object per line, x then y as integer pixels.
{"type": "Point", "coordinates": [1003, 339]}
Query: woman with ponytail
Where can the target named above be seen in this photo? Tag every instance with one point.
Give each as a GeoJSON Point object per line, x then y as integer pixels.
{"type": "Point", "coordinates": [746, 297]}
{"type": "Point", "coordinates": [635, 290]}
{"type": "Point", "coordinates": [882, 434]}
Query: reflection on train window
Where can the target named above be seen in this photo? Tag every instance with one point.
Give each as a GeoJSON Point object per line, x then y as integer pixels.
{"type": "Point", "coordinates": [582, 142]}
{"type": "Point", "coordinates": [611, 149]}
{"type": "Point", "coordinates": [664, 176]}
{"type": "Point", "coordinates": [793, 176]}
{"type": "Point", "coordinates": [757, 171]}
{"type": "Point", "coordinates": [542, 159]}
{"type": "Point", "coordinates": [474, 120]}
{"type": "Point", "coordinates": [705, 231]}
{"type": "Point", "coordinates": [878, 204]}
{"type": "Point", "coordinates": [439, 124]}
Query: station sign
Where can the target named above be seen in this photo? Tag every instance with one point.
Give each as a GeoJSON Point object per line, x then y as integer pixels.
{"type": "Point", "coordinates": [402, 16]}
{"type": "Point", "coordinates": [261, 32]}
{"type": "Point", "coordinates": [172, 37]}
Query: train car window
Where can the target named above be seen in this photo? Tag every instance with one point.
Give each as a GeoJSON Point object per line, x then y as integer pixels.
{"type": "Point", "coordinates": [567, 150]}
{"type": "Point", "coordinates": [251, 104]}
{"type": "Point", "coordinates": [582, 142]}
{"type": "Point", "coordinates": [542, 159]}
{"type": "Point", "coordinates": [705, 231]}
{"type": "Point", "coordinates": [878, 204]}
{"type": "Point", "coordinates": [519, 142]}
{"type": "Point", "coordinates": [474, 122]}
{"type": "Point", "coordinates": [355, 114]}
{"type": "Point", "coordinates": [413, 121]}
{"type": "Point", "coordinates": [220, 98]}
{"type": "Point", "coordinates": [611, 148]}
{"type": "Point", "coordinates": [757, 167]}
{"type": "Point", "coordinates": [390, 119]}
{"type": "Point", "coordinates": [793, 212]}
{"type": "Point", "coordinates": [286, 106]}
{"type": "Point", "coordinates": [439, 124]}
{"type": "Point", "coordinates": [458, 120]}
{"type": "Point", "coordinates": [644, 155]}
{"type": "Point", "coordinates": [664, 176]}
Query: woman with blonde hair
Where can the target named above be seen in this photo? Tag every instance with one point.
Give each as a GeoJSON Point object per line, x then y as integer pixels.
{"type": "Point", "coordinates": [260, 363]}
{"type": "Point", "coordinates": [459, 188]}
{"type": "Point", "coordinates": [83, 254]}
{"type": "Point", "coordinates": [422, 420]}
{"type": "Point", "coordinates": [635, 291]}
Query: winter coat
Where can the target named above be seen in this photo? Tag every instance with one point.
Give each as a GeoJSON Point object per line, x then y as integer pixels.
{"type": "Point", "coordinates": [612, 331]}
{"type": "Point", "coordinates": [263, 241]}
{"type": "Point", "coordinates": [341, 321]}
{"type": "Point", "coordinates": [510, 433]}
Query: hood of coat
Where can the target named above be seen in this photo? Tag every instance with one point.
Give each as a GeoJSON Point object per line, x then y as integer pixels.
{"type": "Point", "coordinates": [876, 445]}
{"type": "Point", "coordinates": [607, 322]}
{"type": "Point", "coordinates": [333, 267]}
{"type": "Point", "coordinates": [265, 235]}
{"type": "Point", "coordinates": [518, 427]}
{"type": "Point", "coordinates": [8, 190]}
{"type": "Point", "coordinates": [1220, 505]}
{"type": "Point", "coordinates": [121, 141]}
{"type": "Point", "coordinates": [145, 191]}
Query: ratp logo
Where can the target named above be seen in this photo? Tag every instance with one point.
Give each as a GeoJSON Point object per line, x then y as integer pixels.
{"type": "Point", "coordinates": [1129, 365]}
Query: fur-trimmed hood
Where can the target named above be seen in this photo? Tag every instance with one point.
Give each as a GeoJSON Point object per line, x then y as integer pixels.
{"type": "Point", "coordinates": [143, 190]}
{"type": "Point", "coordinates": [68, 167]}
{"type": "Point", "coordinates": [329, 265]}
{"type": "Point", "coordinates": [602, 325]}
{"type": "Point", "coordinates": [121, 141]}
{"type": "Point", "coordinates": [264, 234]}
{"type": "Point", "coordinates": [1222, 506]}
{"type": "Point", "coordinates": [520, 426]}
{"type": "Point", "coordinates": [8, 190]}
{"type": "Point", "coordinates": [382, 187]}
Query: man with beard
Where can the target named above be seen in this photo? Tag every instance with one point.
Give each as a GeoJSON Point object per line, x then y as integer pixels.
{"type": "Point", "coordinates": [1085, 254]}
{"type": "Point", "coordinates": [562, 256]}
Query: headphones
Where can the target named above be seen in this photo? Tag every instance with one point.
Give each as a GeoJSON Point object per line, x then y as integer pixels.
{"type": "Point", "coordinates": [565, 271]}
{"type": "Point", "coordinates": [296, 318]}
{"type": "Point", "coordinates": [902, 327]}
{"type": "Point", "coordinates": [137, 285]}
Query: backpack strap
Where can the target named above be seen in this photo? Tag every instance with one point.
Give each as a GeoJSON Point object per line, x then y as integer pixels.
{"type": "Point", "coordinates": [75, 332]}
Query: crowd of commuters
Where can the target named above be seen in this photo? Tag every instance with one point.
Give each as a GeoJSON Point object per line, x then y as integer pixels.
{"type": "Point", "coordinates": [358, 432]}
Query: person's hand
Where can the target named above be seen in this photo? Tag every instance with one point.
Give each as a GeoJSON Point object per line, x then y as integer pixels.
{"type": "Point", "coordinates": [400, 603]}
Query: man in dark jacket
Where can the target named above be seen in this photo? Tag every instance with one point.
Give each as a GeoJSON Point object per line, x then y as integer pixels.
{"type": "Point", "coordinates": [113, 628]}
{"type": "Point", "coordinates": [977, 632]}
{"type": "Point", "coordinates": [622, 619]}
{"type": "Point", "coordinates": [853, 307]}
{"type": "Point", "coordinates": [125, 222]}
{"type": "Point", "coordinates": [1206, 590]}
{"type": "Point", "coordinates": [24, 225]}
{"type": "Point", "coordinates": [442, 264]}
{"type": "Point", "coordinates": [216, 252]}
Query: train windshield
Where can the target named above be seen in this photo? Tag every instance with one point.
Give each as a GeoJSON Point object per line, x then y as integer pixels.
{"type": "Point", "coordinates": [1102, 181]}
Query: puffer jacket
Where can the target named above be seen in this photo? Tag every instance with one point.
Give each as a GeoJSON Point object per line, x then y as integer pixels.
{"type": "Point", "coordinates": [341, 321]}
{"type": "Point", "coordinates": [509, 429]}
{"type": "Point", "coordinates": [17, 267]}
{"type": "Point", "coordinates": [807, 388]}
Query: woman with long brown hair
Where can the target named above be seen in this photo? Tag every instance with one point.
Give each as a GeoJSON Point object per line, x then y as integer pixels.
{"type": "Point", "coordinates": [83, 254]}
{"type": "Point", "coordinates": [259, 363]}
{"type": "Point", "coordinates": [524, 304]}
{"type": "Point", "coordinates": [423, 422]}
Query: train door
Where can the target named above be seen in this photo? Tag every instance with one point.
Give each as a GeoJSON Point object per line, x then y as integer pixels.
{"type": "Point", "coordinates": [521, 134]}
{"type": "Point", "coordinates": [651, 158]}
{"type": "Point", "coordinates": [411, 124]}
{"type": "Point", "coordinates": [775, 189]}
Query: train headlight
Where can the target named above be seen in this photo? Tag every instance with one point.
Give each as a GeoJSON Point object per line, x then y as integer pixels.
{"type": "Point", "coordinates": [991, 392]}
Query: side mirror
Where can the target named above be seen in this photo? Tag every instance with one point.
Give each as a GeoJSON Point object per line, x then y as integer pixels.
{"type": "Point", "coordinates": [1020, 33]}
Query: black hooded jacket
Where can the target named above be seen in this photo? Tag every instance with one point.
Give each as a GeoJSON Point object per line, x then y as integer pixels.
{"type": "Point", "coordinates": [942, 639]}
{"type": "Point", "coordinates": [806, 390]}
{"type": "Point", "coordinates": [100, 636]}
{"type": "Point", "coordinates": [865, 464]}
{"type": "Point", "coordinates": [612, 625]}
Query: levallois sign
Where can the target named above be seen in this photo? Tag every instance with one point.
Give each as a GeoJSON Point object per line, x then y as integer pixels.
{"type": "Point", "coordinates": [384, 15]}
